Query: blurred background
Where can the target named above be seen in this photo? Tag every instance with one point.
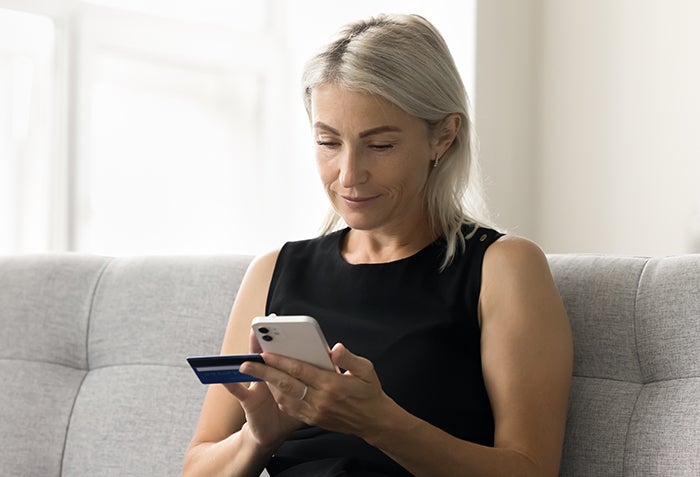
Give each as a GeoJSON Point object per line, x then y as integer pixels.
{"type": "Point", "coordinates": [161, 126]}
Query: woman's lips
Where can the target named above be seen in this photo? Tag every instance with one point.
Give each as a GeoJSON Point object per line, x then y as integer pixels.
{"type": "Point", "coordinates": [357, 202]}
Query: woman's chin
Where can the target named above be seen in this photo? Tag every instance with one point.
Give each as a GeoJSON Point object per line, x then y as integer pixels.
{"type": "Point", "coordinates": [360, 223]}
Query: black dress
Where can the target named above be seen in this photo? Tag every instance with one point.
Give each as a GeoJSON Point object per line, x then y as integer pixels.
{"type": "Point", "coordinates": [419, 327]}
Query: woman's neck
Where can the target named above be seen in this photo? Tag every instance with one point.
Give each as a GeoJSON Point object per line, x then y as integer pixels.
{"type": "Point", "coordinates": [373, 246]}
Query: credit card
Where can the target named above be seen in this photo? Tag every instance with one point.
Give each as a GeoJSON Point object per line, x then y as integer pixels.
{"type": "Point", "coordinates": [223, 369]}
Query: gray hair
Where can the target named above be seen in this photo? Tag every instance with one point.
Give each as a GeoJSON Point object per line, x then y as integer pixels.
{"type": "Point", "coordinates": [405, 60]}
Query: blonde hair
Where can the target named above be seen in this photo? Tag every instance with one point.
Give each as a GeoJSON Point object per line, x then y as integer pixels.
{"type": "Point", "coordinates": [404, 59]}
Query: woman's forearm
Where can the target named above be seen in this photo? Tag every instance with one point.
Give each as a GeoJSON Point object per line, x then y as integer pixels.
{"type": "Point", "coordinates": [235, 456]}
{"type": "Point", "coordinates": [425, 450]}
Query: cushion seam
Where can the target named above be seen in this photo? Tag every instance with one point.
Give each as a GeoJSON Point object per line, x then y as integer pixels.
{"type": "Point", "coordinates": [87, 361]}
{"type": "Point", "coordinates": [127, 365]}
{"type": "Point", "coordinates": [92, 306]}
{"type": "Point", "coordinates": [603, 378]}
{"type": "Point", "coordinates": [42, 361]}
{"type": "Point", "coordinates": [38, 361]}
{"type": "Point", "coordinates": [625, 454]}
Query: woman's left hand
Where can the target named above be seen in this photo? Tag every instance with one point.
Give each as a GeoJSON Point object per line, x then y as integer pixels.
{"type": "Point", "coordinates": [348, 403]}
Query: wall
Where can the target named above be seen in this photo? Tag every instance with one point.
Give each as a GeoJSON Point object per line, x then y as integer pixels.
{"type": "Point", "coordinates": [594, 129]}
{"type": "Point", "coordinates": [505, 101]}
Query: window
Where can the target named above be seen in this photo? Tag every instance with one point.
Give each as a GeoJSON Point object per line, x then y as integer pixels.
{"type": "Point", "coordinates": [26, 95]}
{"type": "Point", "coordinates": [171, 134]}
{"type": "Point", "coordinates": [163, 126]}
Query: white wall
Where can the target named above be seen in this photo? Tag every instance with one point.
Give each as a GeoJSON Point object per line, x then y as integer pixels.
{"type": "Point", "coordinates": [595, 129]}
{"type": "Point", "coordinates": [504, 103]}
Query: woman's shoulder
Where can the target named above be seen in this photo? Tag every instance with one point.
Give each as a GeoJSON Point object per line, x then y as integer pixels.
{"type": "Point", "coordinates": [516, 261]}
{"type": "Point", "coordinates": [261, 267]}
{"type": "Point", "coordinates": [514, 249]}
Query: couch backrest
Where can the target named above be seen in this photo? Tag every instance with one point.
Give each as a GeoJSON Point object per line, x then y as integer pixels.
{"type": "Point", "coordinates": [93, 379]}
{"type": "Point", "coordinates": [635, 402]}
{"type": "Point", "coordinates": [92, 360]}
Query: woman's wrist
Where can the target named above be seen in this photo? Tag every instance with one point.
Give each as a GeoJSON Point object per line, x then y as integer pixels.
{"type": "Point", "coordinates": [253, 446]}
{"type": "Point", "coordinates": [395, 421]}
{"type": "Point", "coordinates": [251, 456]}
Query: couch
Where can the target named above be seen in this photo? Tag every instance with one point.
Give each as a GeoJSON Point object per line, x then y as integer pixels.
{"type": "Point", "coordinates": [93, 378]}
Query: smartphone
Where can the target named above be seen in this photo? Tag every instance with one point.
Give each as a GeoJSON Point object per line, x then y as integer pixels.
{"type": "Point", "coordinates": [223, 369]}
{"type": "Point", "coordinates": [298, 337]}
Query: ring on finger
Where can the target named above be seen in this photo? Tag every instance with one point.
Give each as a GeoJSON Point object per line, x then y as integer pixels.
{"type": "Point", "coordinates": [303, 394]}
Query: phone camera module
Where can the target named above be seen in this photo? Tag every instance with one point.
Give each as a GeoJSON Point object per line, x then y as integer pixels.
{"type": "Point", "coordinates": [263, 330]}
{"type": "Point", "coordinates": [267, 338]}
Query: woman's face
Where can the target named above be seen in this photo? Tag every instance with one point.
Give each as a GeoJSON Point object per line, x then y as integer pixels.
{"type": "Point", "coordinates": [373, 158]}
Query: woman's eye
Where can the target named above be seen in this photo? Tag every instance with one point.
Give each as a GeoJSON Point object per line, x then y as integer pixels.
{"type": "Point", "coordinates": [381, 147]}
{"type": "Point", "coordinates": [327, 143]}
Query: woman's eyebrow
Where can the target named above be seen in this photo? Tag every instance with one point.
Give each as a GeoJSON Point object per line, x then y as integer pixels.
{"type": "Point", "coordinates": [363, 134]}
{"type": "Point", "coordinates": [379, 130]}
{"type": "Point", "coordinates": [326, 127]}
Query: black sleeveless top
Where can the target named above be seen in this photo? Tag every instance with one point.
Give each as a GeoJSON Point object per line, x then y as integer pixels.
{"type": "Point", "coordinates": [419, 327]}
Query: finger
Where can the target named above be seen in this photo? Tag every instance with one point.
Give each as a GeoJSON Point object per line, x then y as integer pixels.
{"type": "Point", "coordinates": [239, 390]}
{"type": "Point", "coordinates": [254, 343]}
{"type": "Point", "coordinates": [353, 364]}
{"type": "Point", "coordinates": [287, 378]}
{"type": "Point", "coordinates": [255, 369]}
{"type": "Point", "coordinates": [295, 368]}
{"type": "Point", "coordinates": [254, 398]}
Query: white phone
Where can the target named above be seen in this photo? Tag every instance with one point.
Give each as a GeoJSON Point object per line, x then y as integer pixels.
{"type": "Point", "coordinates": [299, 337]}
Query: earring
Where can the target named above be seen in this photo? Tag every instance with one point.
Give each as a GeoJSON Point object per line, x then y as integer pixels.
{"type": "Point", "coordinates": [436, 162]}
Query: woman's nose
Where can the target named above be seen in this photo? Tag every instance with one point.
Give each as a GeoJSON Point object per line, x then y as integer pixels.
{"type": "Point", "coordinates": [352, 169]}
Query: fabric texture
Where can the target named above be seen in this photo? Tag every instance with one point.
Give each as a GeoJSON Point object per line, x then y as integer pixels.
{"type": "Point", "coordinates": [416, 324]}
{"type": "Point", "coordinates": [45, 304]}
{"type": "Point", "coordinates": [635, 403]}
{"type": "Point", "coordinates": [92, 360]}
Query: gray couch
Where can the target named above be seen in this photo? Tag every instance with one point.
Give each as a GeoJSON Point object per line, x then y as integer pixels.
{"type": "Point", "coordinates": [93, 379]}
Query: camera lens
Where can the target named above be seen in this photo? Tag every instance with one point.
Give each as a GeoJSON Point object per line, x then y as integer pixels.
{"type": "Point", "coordinates": [267, 338]}
{"type": "Point", "coordinates": [263, 330]}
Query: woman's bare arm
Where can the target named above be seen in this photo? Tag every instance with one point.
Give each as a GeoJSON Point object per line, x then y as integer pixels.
{"type": "Point", "coordinates": [222, 443]}
{"type": "Point", "coordinates": [527, 361]}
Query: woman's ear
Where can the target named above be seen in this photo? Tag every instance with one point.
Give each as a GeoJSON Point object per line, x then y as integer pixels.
{"type": "Point", "coordinates": [446, 132]}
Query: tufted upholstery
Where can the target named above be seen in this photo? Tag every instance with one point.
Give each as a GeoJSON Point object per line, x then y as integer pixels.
{"type": "Point", "coordinates": [635, 401]}
{"type": "Point", "coordinates": [93, 379]}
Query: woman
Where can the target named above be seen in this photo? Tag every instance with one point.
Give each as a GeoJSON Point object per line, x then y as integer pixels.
{"type": "Point", "coordinates": [456, 349]}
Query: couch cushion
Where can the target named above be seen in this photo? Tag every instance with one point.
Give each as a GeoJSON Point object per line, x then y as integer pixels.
{"type": "Point", "coordinates": [49, 298]}
{"type": "Point", "coordinates": [635, 400]}
{"type": "Point", "coordinates": [668, 319]}
{"type": "Point", "coordinates": [664, 432]}
{"type": "Point", "coordinates": [599, 293]}
{"type": "Point", "coordinates": [139, 404]}
{"type": "Point", "coordinates": [157, 310]}
{"type": "Point", "coordinates": [45, 304]}
{"type": "Point", "coordinates": [133, 420]}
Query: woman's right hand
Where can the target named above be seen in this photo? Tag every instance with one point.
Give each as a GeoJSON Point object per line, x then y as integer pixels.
{"type": "Point", "coordinates": [266, 423]}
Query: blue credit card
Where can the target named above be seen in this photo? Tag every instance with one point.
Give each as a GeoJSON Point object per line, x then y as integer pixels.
{"type": "Point", "coordinates": [223, 369]}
